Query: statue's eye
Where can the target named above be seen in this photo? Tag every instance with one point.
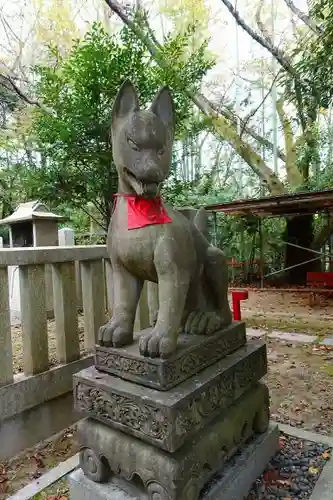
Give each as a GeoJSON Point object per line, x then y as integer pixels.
{"type": "Point", "coordinates": [133, 144]}
{"type": "Point", "coordinates": [161, 151]}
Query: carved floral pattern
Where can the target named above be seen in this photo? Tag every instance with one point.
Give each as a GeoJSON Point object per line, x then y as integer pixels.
{"type": "Point", "coordinates": [172, 424]}
{"type": "Point", "coordinates": [205, 356]}
{"type": "Point", "coordinates": [168, 374]}
{"type": "Point", "coordinates": [215, 398]}
{"type": "Point", "coordinates": [145, 418]}
{"type": "Point", "coordinates": [252, 368]}
{"type": "Point", "coordinates": [196, 469]}
{"type": "Point", "coordinates": [123, 364]}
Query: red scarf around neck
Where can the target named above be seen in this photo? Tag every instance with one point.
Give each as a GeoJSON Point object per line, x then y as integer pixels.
{"type": "Point", "coordinates": [144, 211]}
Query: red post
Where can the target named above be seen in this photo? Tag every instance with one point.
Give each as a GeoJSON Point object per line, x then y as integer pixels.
{"type": "Point", "coordinates": [237, 296]}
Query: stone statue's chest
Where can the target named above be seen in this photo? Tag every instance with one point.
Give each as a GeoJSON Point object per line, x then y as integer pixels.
{"type": "Point", "coordinates": [135, 249]}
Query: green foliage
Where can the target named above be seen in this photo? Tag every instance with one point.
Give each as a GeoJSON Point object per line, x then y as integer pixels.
{"type": "Point", "coordinates": [73, 139]}
{"type": "Point", "coordinates": [239, 238]}
{"type": "Point", "coordinates": [8, 103]}
{"type": "Point", "coordinates": [315, 56]}
{"type": "Point", "coordinates": [14, 187]}
{"type": "Point", "coordinates": [196, 193]}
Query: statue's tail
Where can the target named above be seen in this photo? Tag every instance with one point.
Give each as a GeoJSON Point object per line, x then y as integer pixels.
{"type": "Point", "coordinates": [201, 221]}
{"type": "Point", "coordinates": [198, 217]}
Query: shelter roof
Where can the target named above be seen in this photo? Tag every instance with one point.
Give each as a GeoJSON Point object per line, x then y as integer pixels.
{"type": "Point", "coordinates": [29, 211]}
{"type": "Point", "coordinates": [276, 206]}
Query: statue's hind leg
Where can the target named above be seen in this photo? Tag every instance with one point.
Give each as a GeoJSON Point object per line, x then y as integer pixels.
{"type": "Point", "coordinates": [202, 313]}
{"type": "Point", "coordinates": [216, 274]}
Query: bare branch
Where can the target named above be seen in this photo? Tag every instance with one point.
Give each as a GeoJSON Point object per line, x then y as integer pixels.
{"type": "Point", "coordinates": [244, 122]}
{"type": "Point", "coordinates": [149, 29]}
{"type": "Point", "coordinates": [280, 56]}
{"type": "Point", "coordinates": [10, 85]}
{"type": "Point", "coordinates": [246, 129]}
{"type": "Point", "coordinates": [255, 110]}
{"type": "Point", "coordinates": [304, 17]}
{"type": "Point", "coordinates": [264, 31]}
{"type": "Point", "coordinates": [153, 49]}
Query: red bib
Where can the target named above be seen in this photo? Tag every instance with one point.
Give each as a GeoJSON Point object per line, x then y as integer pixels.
{"type": "Point", "coordinates": [144, 211]}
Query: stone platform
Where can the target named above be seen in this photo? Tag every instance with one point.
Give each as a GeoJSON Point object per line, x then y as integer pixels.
{"type": "Point", "coordinates": [183, 474]}
{"type": "Point", "coordinates": [168, 419]}
{"type": "Point", "coordinates": [194, 353]}
{"type": "Point", "coordinates": [233, 482]}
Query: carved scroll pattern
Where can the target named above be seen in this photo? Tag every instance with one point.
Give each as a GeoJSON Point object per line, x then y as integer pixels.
{"type": "Point", "coordinates": [123, 364]}
{"type": "Point", "coordinates": [252, 368]}
{"type": "Point", "coordinates": [207, 355]}
{"type": "Point", "coordinates": [191, 414]}
{"type": "Point", "coordinates": [197, 469]}
{"type": "Point", "coordinates": [145, 418]}
{"type": "Point", "coordinates": [222, 393]}
{"type": "Point", "coordinates": [177, 370]}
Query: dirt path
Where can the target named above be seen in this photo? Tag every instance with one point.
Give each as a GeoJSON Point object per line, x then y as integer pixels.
{"type": "Point", "coordinates": [296, 304]}
{"type": "Point", "coordinates": [300, 380]}
{"type": "Point", "coordinates": [21, 470]}
{"type": "Point", "coordinates": [288, 312]}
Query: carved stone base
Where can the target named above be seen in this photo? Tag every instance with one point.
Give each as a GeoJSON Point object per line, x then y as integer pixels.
{"type": "Point", "coordinates": [194, 353]}
{"type": "Point", "coordinates": [178, 476]}
{"type": "Point", "coordinates": [168, 419]}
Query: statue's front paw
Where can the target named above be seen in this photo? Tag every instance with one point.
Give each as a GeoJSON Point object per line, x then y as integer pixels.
{"type": "Point", "coordinates": [115, 334]}
{"type": "Point", "coordinates": [157, 345]}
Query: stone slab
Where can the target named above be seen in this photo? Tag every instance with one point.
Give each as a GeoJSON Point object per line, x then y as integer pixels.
{"type": "Point", "coordinates": [182, 475]}
{"type": "Point", "coordinates": [50, 477]}
{"type": "Point", "coordinates": [167, 419]}
{"type": "Point", "coordinates": [24, 256]}
{"type": "Point", "coordinates": [300, 338]}
{"type": "Point", "coordinates": [235, 481]}
{"type": "Point", "coordinates": [82, 488]}
{"type": "Point", "coordinates": [194, 353]}
{"type": "Point", "coordinates": [323, 489]}
{"type": "Point", "coordinates": [255, 332]}
{"type": "Point", "coordinates": [327, 341]}
{"type": "Point", "coordinates": [307, 435]}
{"type": "Point", "coordinates": [233, 484]}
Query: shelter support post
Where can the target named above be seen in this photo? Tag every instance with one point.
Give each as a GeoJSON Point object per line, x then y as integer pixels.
{"type": "Point", "coordinates": [261, 242]}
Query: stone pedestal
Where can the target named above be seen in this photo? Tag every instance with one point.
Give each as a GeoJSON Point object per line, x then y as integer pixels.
{"type": "Point", "coordinates": [231, 482]}
{"type": "Point", "coordinates": [194, 353]}
{"type": "Point", "coordinates": [169, 425]}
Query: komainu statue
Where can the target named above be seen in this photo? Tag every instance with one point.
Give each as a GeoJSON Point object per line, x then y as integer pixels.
{"type": "Point", "coordinates": [150, 241]}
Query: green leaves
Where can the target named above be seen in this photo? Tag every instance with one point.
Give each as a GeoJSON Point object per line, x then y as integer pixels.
{"type": "Point", "coordinates": [315, 58]}
{"type": "Point", "coordinates": [73, 139]}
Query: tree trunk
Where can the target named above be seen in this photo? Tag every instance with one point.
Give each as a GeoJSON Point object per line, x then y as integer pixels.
{"type": "Point", "coordinates": [299, 231]}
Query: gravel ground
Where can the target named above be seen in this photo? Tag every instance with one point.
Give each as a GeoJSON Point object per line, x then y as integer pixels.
{"type": "Point", "coordinates": [291, 474]}
{"type": "Point", "coordinates": [293, 471]}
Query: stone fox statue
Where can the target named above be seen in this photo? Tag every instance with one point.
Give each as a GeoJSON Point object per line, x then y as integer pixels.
{"type": "Point", "coordinates": [148, 241]}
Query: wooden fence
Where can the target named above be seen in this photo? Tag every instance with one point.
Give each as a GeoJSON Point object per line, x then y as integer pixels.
{"type": "Point", "coordinates": [37, 402]}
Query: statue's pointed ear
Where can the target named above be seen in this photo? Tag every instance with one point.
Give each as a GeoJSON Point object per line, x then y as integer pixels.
{"type": "Point", "coordinates": [163, 107]}
{"type": "Point", "coordinates": [126, 101]}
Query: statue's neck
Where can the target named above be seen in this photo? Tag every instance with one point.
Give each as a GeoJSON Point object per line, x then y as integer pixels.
{"type": "Point", "coordinates": [124, 187]}
{"type": "Point", "coordinates": [141, 211]}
